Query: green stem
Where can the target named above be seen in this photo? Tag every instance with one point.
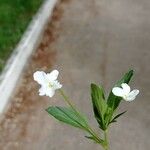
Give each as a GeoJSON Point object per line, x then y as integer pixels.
{"type": "Point", "coordinates": [106, 145]}
{"type": "Point", "coordinates": [92, 132]}
{"type": "Point", "coordinates": [88, 129]}
{"type": "Point", "coordinates": [67, 100]}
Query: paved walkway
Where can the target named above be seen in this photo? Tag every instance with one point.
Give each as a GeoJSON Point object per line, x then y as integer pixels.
{"type": "Point", "coordinates": [88, 41]}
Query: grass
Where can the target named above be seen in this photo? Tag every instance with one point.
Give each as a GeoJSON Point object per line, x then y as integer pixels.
{"type": "Point", "coordinates": [15, 16]}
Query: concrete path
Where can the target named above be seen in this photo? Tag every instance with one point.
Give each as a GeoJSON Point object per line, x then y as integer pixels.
{"type": "Point", "coordinates": [88, 41]}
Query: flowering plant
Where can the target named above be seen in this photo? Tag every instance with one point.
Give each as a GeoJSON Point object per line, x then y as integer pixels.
{"type": "Point", "coordinates": [104, 108]}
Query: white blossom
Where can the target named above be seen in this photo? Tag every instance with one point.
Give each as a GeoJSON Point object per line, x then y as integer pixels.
{"type": "Point", "coordinates": [125, 92]}
{"type": "Point", "coordinates": [48, 82]}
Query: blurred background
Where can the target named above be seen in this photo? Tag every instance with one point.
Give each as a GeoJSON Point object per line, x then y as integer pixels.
{"type": "Point", "coordinates": [87, 41]}
{"type": "Point", "coordinates": [15, 16]}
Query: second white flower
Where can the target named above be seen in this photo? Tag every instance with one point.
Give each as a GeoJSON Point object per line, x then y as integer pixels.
{"type": "Point", "coordinates": [125, 92]}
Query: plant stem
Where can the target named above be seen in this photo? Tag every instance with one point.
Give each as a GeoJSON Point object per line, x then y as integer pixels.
{"type": "Point", "coordinates": [67, 100]}
{"type": "Point", "coordinates": [104, 143]}
{"type": "Point", "coordinates": [88, 129]}
{"type": "Point", "coordinates": [106, 146]}
{"type": "Point", "coordinates": [92, 132]}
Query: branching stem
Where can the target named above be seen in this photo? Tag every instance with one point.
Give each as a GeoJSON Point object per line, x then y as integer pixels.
{"type": "Point", "coordinates": [88, 129]}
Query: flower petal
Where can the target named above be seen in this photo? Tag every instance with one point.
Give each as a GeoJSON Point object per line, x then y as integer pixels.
{"type": "Point", "coordinates": [118, 91]}
{"type": "Point", "coordinates": [132, 95]}
{"type": "Point", "coordinates": [56, 85]}
{"type": "Point", "coordinates": [42, 91]}
{"type": "Point", "coordinates": [53, 75]}
{"type": "Point", "coordinates": [50, 92]}
{"type": "Point", "coordinates": [126, 88]}
{"type": "Point", "coordinates": [40, 77]}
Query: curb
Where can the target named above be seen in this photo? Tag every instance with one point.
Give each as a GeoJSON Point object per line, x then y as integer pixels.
{"type": "Point", "coordinates": [23, 51]}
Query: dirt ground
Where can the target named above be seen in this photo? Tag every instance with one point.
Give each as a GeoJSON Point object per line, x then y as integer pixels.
{"type": "Point", "coordinates": [87, 41]}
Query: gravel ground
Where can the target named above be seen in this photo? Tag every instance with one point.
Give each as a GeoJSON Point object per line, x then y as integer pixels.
{"type": "Point", "coordinates": [88, 41]}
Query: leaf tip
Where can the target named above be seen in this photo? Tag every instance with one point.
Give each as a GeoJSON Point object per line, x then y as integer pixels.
{"type": "Point", "coordinates": [93, 85]}
{"type": "Point", "coordinates": [131, 71]}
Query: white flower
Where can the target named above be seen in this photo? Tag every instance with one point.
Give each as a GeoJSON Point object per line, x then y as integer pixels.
{"type": "Point", "coordinates": [48, 82]}
{"type": "Point", "coordinates": [125, 92]}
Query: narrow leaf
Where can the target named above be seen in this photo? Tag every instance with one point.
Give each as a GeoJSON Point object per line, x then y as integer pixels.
{"type": "Point", "coordinates": [67, 115]}
{"type": "Point", "coordinates": [113, 121]}
{"type": "Point", "coordinates": [99, 104]}
{"type": "Point", "coordinates": [95, 140]}
{"type": "Point", "coordinates": [117, 116]}
{"type": "Point", "coordinates": [91, 138]}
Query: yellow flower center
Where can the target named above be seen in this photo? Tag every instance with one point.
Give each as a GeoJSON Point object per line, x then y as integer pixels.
{"type": "Point", "coordinates": [50, 85]}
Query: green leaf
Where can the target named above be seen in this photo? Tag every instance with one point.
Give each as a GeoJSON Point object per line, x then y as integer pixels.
{"type": "Point", "coordinates": [108, 115]}
{"type": "Point", "coordinates": [95, 140]}
{"type": "Point", "coordinates": [114, 101]}
{"type": "Point", "coordinates": [92, 138]}
{"type": "Point", "coordinates": [68, 116]}
{"type": "Point", "coordinates": [113, 121]}
{"type": "Point", "coordinates": [117, 116]}
{"type": "Point", "coordinates": [99, 104]}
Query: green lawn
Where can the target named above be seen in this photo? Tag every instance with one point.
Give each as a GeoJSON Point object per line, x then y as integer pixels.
{"type": "Point", "coordinates": [15, 16]}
